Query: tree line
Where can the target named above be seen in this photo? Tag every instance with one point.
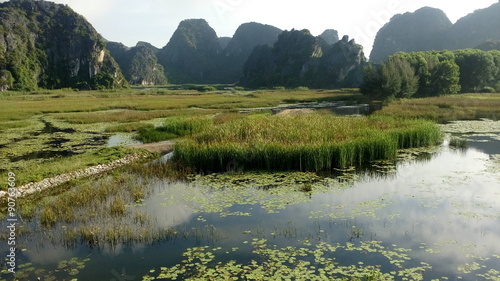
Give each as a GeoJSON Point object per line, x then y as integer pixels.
{"type": "Point", "coordinates": [432, 73]}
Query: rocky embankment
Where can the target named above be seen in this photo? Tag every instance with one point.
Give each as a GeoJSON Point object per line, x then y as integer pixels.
{"type": "Point", "coordinates": [32, 187]}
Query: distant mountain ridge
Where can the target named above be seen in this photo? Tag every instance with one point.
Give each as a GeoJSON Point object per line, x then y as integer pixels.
{"type": "Point", "coordinates": [430, 29]}
{"type": "Point", "coordinates": [300, 59]}
{"type": "Point", "coordinates": [48, 45]}
{"type": "Point", "coordinates": [139, 64]}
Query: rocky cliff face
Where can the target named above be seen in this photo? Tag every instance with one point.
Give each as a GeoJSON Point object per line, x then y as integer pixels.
{"type": "Point", "coordinates": [429, 29]}
{"type": "Point", "coordinates": [139, 64]}
{"type": "Point", "coordinates": [331, 36]}
{"type": "Point", "coordinates": [191, 54]}
{"type": "Point", "coordinates": [422, 30]}
{"type": "Point", "coordinates": [245, 39]}
{"type": "Point", "coordinates": [475, 28]}
{"type": "Point", "coordinates": [341, 66]}
{"type": "Point", "coordinates": [300, 59]}
{"type": "Point", "coordinates": [47, 45]}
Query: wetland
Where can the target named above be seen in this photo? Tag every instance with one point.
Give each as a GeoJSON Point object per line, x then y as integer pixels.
{"type": "Point", "coordinates": [427, 213]}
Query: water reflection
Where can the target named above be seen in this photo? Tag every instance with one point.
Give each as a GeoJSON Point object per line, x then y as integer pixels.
{"type": "Point", "coordinates": [443, 209]}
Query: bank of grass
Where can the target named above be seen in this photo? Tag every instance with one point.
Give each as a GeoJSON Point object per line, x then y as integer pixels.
{"type": "Point", "coordinates": [30, 171]}
{"type": "Point", "coordinates": [446, 108]}
{"type": "Point", "coordinates": [312, 142]}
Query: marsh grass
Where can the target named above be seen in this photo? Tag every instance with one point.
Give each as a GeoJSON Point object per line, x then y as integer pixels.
{"type": "Point", "coordinates": [174, 127]}
{"type": "Point", "coordinates": [98, 212]}
{"type": "Point", "coordinates": [314, 142]}
{"type": "Point", "coordinates": [30, 171]}
{"type": "Point", "coordinates": [446, 108]}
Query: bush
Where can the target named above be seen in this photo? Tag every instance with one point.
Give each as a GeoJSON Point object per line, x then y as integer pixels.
{"type": "Point", "coordinates": [488, 90]}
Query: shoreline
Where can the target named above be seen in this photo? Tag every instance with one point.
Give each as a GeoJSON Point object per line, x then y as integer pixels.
{"type": "Point", "coordinates": [32, 187]}
{"type": "Point", "coordinates": [46, 183]}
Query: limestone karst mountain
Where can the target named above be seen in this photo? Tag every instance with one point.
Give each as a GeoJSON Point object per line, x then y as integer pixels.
{"type": "Point", "coordinates": [430, 29]}
{"type": "Point", "coordinates": [139, 63]}
{"type": "Point", "coordinates": [48, 45]}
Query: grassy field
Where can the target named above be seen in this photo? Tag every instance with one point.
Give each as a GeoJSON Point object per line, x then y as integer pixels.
{"type": "Point", "coordinates": [446, 108]}
{"type": "Point", "coordinates": [47, 133]}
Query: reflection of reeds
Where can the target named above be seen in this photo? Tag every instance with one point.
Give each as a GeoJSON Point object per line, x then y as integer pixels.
{"type": "Point", "coordinates": [314, 142]}
{"type": "Point", "coordinates": [458, 143]}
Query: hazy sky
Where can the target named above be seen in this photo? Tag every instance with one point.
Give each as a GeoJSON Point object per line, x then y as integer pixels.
{"type": "Point", "coordinates": [154, 21]}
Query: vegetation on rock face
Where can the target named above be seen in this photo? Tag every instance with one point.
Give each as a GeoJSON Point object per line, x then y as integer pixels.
{"type": "Point", "coordinates": [426, 74]}
{"type": "Point", "coordinates": [245, 39]}
{"type": "Point", "coordinates": [411, 32]}
{"type": "Point", "coordinates": [50, 46]}
{"type": "Point", "coordinates": [430, 29]}
{"type": "Point", "coordinates": [139, 64]}
{"type": "Point", "coordinates": [190, 55]}
{"type": "Point", "coordinates": [300, 59]}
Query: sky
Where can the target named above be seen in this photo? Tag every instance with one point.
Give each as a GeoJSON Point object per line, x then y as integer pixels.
{"type": "Point", "coordinates": [154, 21]}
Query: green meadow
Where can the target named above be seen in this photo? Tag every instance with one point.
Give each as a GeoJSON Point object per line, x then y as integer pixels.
{"type": "Point", "coordinates": [223, 129]}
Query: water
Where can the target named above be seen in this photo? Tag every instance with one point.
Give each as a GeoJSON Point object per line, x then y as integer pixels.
{"type": "Point", "coordinates": [122, 139]}
{"type": "Point", "coordinates": [440, 212]}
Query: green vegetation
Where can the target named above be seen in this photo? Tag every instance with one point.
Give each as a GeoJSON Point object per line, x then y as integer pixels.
{"type": "Point", "coordinates": [174, 127]}
{"type": "Point", "coordinates": [292, 263]}
{"type": "Point", "coordinates": [35, 57]}
{"type": "Point", "coordinates": [315, 142]}
{"type": "Point", "coordinates": [65, 270]}
{"type": "Point", "coordinates": [426, 74]}
{"type": "Point", "coordinates": [301, 59]}
{"type": "Point", "coordinates": [73, 126]}
{"type": "Point", "coordinates": [446, 108]}
{"type": "Point", "coordinates": [458, 143]}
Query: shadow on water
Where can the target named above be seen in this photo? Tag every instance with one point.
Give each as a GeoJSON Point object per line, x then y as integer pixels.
{"type": "Point", "coordinates": [485, 143]}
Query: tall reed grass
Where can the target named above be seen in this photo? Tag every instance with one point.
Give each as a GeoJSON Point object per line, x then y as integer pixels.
{"type": "Point", "coordinates": [174, 127]}
{"type": "Point", "coordinates": [315, 142]}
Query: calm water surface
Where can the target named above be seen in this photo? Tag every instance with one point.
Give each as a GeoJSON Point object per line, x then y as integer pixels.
{"type": "Point", "coordinates": [443, 209]}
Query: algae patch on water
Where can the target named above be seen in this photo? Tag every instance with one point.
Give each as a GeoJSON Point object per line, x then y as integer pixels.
{"type": "Point", "coordinates": [296, 263]}
{"type": "Point", "coordinates": [217, 193]}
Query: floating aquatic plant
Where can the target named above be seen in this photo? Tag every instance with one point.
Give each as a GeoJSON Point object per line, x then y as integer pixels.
{"type": "Point", "coordinates": [293, 263]}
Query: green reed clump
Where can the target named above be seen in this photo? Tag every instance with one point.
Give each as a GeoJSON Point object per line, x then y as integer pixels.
{"type": "Point", "coordinates": [174, 127]}
{"type": "Point", "coordinates": [314, 142]}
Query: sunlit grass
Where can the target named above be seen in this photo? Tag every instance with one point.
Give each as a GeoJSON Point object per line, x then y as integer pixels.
{"type": "Point", "coordinates": [446, 108]}
{"type": "Point", "coordinates": [314, 142]}
{"type": "Point", "coordinates": [19, 106]}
